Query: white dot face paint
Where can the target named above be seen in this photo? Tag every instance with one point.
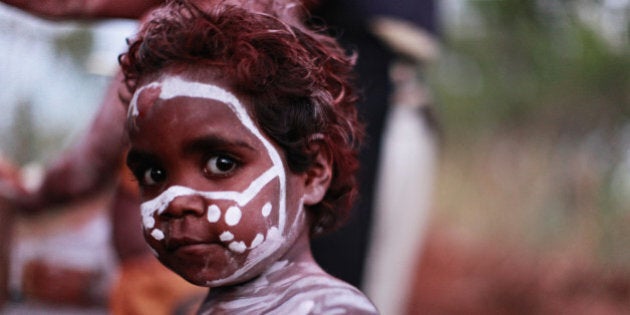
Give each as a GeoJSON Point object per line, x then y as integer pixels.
{"type": "Point", "coordinates": [214, 214]}
{"type": "Point", "coordinates": [226, 236]}
{"type": "Point", "coordinates": [157, 234]}
{"type": "Point", "coordinates": [266, 210]}
{"type": "Point", "coordinates": [245, 219]}
{"type": "Point", "coordinates": [233, 216]}
{"type": "Point", "coordinates": [238, 247]}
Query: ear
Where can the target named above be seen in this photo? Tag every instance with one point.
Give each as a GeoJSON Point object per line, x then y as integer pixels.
{"type": "Point", "coordinates": [317, 178]}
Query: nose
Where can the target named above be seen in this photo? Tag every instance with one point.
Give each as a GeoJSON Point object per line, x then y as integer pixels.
{"type": "Point", "coordinates": [185, 205]}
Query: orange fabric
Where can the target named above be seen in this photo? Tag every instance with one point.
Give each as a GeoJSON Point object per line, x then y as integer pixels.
{"type": "Point", "coordinates": [145, 286]}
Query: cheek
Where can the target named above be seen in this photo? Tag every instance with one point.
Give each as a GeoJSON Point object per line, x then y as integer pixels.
{"type": "Point", "coordinates": [239, 228]}
{"type": "Point", "coordinates": [244, 228]}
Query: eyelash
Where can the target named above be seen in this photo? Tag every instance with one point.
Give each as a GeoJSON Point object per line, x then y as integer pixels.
{"type": "Point", "coordinates": [142, 175]}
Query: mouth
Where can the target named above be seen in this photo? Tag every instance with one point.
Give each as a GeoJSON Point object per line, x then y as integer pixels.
{"type": "Point", "coordinates": [174, 244]}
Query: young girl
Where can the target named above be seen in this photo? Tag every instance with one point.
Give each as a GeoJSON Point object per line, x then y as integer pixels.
{"type": "Point", "coordinates": [244, 138]}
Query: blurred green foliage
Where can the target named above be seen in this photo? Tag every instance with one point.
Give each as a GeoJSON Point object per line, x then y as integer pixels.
{"type": "Point", "coordinates": [534, 100]}
{"type": "Point", "coordinates": [531, 65]}
{"type": "Point", "coordinates": [76, 43]}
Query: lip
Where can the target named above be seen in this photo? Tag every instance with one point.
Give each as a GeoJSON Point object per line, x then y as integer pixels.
{"type": "Point", "coordinates": [195, 249]}
{"type": "Point", "coordinates": [173, 244]}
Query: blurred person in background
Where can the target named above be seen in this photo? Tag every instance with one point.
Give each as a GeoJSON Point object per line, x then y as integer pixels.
{"type": "Point", "coordinates": [380, 247]}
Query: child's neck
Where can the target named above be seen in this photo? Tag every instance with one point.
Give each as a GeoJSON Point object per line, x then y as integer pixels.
{"type": "Point", "coordinates": [297, 259]}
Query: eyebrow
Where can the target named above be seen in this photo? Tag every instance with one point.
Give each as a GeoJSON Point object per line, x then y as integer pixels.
{"type": "Point", "coordinates": [135, 156]}
{"type": "Point", "coordinates": [211, 141]}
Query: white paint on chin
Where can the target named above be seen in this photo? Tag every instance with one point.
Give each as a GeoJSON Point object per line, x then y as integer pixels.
{"type": "Point", "coordinates": [257, 240]}
{"type": "Point", "coordinates": [226, 236]}
{"type": "Point", "coordinates": [238, 247]}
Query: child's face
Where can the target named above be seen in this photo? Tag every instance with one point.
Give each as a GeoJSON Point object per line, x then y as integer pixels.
{"type": "Point", "coordinates": [218, 206]}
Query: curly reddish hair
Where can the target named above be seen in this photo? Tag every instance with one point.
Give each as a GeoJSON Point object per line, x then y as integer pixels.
{"type": "Point", "coordinates": [299, 83]}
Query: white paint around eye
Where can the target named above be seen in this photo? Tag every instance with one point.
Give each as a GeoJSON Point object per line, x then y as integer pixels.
{"type": "Point", "coordinates": [226, 236]}
{"type": "Point", "coordinates": [160, 203]}
{"type": "Point", "coordinates": [233, 216]}
{"type": "Point", "coordinates": [157, 234]}
{"type": "Point", "coordinates": [174, 86]}
{"type": "Point", "coordinates": [266, 209]}
{"type": "Point", "coordinates": [238, 247]}
{"type": "Point", "coordinates": [214, 213]}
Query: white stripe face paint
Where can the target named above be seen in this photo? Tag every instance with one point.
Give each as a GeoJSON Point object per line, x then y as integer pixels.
{"type": "Point", "coordinates": [262, 246]}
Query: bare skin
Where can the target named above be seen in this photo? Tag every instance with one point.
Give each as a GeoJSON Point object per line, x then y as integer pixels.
{"type": "Point", "coordinates": [84, 9]}
{"type": "Point", "coordinates": [100, 9]}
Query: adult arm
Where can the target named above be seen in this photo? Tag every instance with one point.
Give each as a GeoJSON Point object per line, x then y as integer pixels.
{"type": "Point", "coordinates": [89, 165]}
{"type": "Point", "coordinates": [84, 9]}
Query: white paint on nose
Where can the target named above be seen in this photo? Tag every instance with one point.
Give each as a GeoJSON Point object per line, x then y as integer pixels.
{"type": "Point", "coordinates": [233, 216]}
{"type": "Point", "coordinates": [214, 213]}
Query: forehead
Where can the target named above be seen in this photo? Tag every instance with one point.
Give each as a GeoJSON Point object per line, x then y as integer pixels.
{"type": "Point", "coordinates": [171, 87]}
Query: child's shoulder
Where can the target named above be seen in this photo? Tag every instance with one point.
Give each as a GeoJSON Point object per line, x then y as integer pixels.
{"type": "Point", "coordinates": [312, 291]}
{"type": "Point", "coordinates": [292, 288]}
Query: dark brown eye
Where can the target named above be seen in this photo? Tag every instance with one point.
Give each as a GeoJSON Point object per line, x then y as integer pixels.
{"type": "Point", "coordinates": [153, 176]}
{"type": "Point", "coordinates": [220, 165]}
